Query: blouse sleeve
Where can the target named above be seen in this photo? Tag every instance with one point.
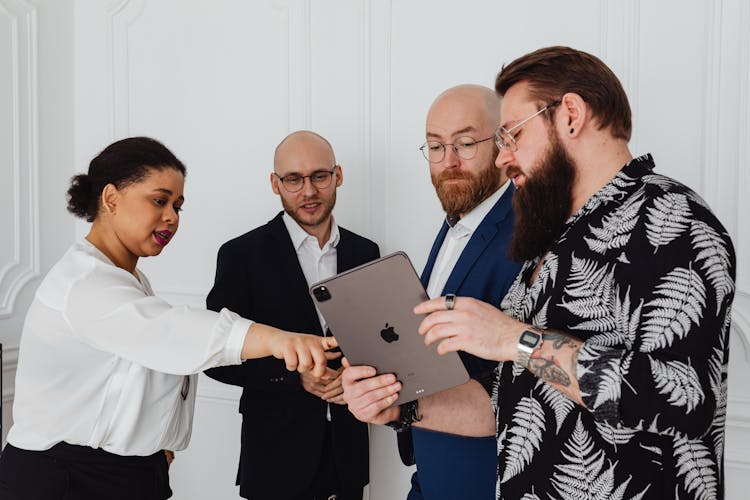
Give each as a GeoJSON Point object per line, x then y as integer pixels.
{"type": "Point", "coordinates": [107, 309]}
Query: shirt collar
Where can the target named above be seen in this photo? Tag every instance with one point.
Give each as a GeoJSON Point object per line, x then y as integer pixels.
{"type": "Point", "coordinates": [299, 235]}
{"type": "Point", "coordinates": [472, 220]}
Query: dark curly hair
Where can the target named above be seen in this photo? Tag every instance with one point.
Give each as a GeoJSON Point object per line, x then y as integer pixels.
{"type": "Point", "coordinates": [121, 163]}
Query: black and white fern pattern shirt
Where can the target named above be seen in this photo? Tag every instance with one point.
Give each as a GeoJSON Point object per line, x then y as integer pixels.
{"type": "Point", "coordinates": [644, 275]}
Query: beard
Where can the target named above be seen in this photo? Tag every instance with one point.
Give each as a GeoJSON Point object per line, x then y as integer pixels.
{"type": "Point", "coordinates": [304, 219]}
{"type": "Point", "coordinates": [542, 205]}
{"type": "Point", "coordinates": [463, 197]}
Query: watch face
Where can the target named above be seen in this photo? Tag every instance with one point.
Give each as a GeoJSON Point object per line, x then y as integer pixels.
{"type": "Point", "coordinates": [529, 338]}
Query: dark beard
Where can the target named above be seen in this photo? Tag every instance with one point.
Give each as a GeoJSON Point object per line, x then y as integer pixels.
{"type": "Point", "coordinates": [462, 198]}
{"type": "Point", "coordinates": [542, 205]}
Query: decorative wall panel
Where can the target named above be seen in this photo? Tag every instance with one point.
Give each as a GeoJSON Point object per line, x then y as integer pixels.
{"type": "Point", "coordinates": [19, 248]}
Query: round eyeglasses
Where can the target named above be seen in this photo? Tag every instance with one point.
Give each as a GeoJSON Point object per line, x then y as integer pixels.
{"type": "Point", "coordinates": [464, 147]}
{"type": "Point", "coordinates": [506, 139]}
{"type": "Point", "coordinates": [320, 179]}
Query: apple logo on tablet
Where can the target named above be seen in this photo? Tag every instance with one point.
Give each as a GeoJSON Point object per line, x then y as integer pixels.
{"type": "Point", "coordinates": [389, 334]}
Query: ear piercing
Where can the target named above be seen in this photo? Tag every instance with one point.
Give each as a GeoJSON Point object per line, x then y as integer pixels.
{"type": "Point", "coordinates": [572, 130]}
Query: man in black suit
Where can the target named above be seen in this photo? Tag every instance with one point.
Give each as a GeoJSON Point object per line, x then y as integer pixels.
{"type": "Point", "coordinates": [299, 440]}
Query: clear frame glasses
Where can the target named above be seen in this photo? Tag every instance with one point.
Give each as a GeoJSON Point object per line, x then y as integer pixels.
{"type": "Point", "coordinates": [464, 147]}
{"type": "Point", "coordinates": [320, 179]}
{"type": "Point", "coordinates": [506, 139]}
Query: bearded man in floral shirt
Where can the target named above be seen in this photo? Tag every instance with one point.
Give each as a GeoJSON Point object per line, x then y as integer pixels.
{"type": "Point", "coordinates": [613, 341]}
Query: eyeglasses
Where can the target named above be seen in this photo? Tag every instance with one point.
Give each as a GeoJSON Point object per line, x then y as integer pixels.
{"type": "Point", "coordinates": [464, 147]}
{"type": "Point", "coordinates": [506, 139]}
{"type": "Point", "coordinates": [320, 179]}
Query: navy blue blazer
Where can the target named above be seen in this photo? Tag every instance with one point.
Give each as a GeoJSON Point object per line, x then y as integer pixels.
{"type": "Point", "coordinates": [483, 271]}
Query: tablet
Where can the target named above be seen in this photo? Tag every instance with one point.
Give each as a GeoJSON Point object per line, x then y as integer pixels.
{"type": "Point", "coordinates": [369, 309]}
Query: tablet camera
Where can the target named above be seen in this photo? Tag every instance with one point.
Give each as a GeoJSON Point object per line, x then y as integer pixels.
{"type": "Point", "coordinates": [321, 293]}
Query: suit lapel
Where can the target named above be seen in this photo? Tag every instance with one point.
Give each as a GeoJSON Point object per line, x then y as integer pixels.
{"type": "Point", "coordinates": [345, 258]}
{"type": "Point", "coordinates": [289, 269]}
{"type": "Point", "coordinates": [482, 237]}
{"type": "Point", "coordinates": [427, 272]}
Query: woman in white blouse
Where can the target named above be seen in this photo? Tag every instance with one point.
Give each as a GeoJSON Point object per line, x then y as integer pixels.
{"type": "Point", "coordinates": [105, 377]}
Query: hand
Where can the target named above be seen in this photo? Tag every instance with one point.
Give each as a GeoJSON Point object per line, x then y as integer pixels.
{"type": "Point", "coordinates": [317, 385]}
{"type": "Point", "coordinates": [334, 390]}
{"type": "Point", "coordinates": [472, 326]}
{"type": "Point", "coordinates": [301, 352]}
{"type": "Point", "coordinates": [369, 395]}
{"type": "Point", "coordinates": [170, 457]}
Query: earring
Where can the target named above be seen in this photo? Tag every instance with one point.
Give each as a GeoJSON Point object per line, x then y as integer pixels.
{"type": "Point", "coordinates": [572, 130]}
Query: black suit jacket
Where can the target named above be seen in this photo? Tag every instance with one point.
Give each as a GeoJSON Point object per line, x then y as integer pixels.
{"type": "Point", "coordinates": [258, 276]}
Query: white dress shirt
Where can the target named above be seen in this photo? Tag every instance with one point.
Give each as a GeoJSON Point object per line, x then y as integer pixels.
{"type": "Point", "coordinates": [456, 240]}
{"type": "Point", "coordinates": [103, 363]}
{"type": "Point", "coordinates": [317, 263]}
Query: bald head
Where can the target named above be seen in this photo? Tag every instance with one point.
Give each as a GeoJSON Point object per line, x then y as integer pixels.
{"type": "Point", "coordinates": [460, 130]}
{"type": "Point", "coordinates": [476, 103]}
{"type": "Point", "coordinates": [303, 143]}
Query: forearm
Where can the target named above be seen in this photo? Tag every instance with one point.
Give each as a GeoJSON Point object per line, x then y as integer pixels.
{"type": "Point", "coordinates": [256, 341]}
{"type": "Point", "coordinates": [465, 410]}
{"type": "Point", "coordinates": [622, 386]}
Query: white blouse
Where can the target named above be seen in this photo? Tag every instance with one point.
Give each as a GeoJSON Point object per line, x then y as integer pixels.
{"type": "Point", "coordinates": [103, 363]}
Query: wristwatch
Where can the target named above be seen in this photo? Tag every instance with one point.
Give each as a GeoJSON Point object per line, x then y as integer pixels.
{"type": "Point", "coordinates": [409, 413]}
{"type": "Point", "coordinates": [529, 341]}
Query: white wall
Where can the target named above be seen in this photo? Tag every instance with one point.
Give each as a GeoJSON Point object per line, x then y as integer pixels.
{"type": "Point", "coordinates": [222, 82]}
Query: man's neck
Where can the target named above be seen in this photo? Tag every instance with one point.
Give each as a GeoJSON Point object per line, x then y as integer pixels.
{"type": "Point", "coordinates": [322, 231]}
{"type": "Point", "coordinates": [596, 164]}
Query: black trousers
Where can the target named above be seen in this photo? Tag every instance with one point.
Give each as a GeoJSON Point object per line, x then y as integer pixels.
{"type": "Point", "coordinates": [327, 484]}
{"type": "Point", "coordinates": [69, 472]}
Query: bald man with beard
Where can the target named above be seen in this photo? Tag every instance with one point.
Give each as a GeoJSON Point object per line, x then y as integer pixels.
{"type": "Point", "coordinates": [299, 442]}
{"type": "Point", "coordinates": [453, 444]}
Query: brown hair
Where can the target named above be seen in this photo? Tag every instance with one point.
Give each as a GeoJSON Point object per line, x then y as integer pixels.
{"type": "Point", "coordinates": [553, 71]}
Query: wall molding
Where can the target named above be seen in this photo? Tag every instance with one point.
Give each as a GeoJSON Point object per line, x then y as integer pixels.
{"type": "Point", "coordinates": [712, 102]}
{"type": "Point", "coordinates": [738, 412]}
{"type": "Point", "coordinates": [379, 61]}
{"type": "Point", "coordinates": [365, 100]}
{"type": "Point", "coordinates": [619, 41]}
{"type": "Point", "coordinates": [736, 461]}
{"type": "Point", "coordinates": [743, 157]}
{"type": "Point", "coordinates": [121, 14]}
{"type": "Point", "coordinates": [24, 266]}
{"type": "Point", "coordinates": [299, 70]}
{"type": "Point", "coordinates": [741, 320]}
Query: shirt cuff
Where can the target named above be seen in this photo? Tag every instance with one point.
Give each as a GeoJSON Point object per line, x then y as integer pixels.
{"type": "Point", "coordinates": [236, 340]}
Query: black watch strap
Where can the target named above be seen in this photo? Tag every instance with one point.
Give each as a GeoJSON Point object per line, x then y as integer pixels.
{"type": "Point", "coordinates": [409, 413]}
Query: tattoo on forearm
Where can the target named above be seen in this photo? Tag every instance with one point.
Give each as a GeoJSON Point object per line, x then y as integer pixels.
{"type": "Point", "coordinates": [559, 340]}
{"type": "Point", "coordinates": [547, 369]}
{"type": "Point", "coordinates": [557, 363]}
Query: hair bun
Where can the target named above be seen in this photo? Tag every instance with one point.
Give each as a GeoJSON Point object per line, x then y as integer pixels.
{"type": "Point", "coordinates": [81, 197]}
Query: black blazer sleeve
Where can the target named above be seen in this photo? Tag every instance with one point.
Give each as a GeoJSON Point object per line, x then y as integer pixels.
{"type": "Point", "coordinates": [230, 290]}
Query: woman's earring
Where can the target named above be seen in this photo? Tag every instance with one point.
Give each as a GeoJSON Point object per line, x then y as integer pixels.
{"type": "Point", "coordinates": [572, 130]}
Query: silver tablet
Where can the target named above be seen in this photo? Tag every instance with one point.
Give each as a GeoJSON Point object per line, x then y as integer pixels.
{"type": "Point", "coordinates": [369, 311]}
